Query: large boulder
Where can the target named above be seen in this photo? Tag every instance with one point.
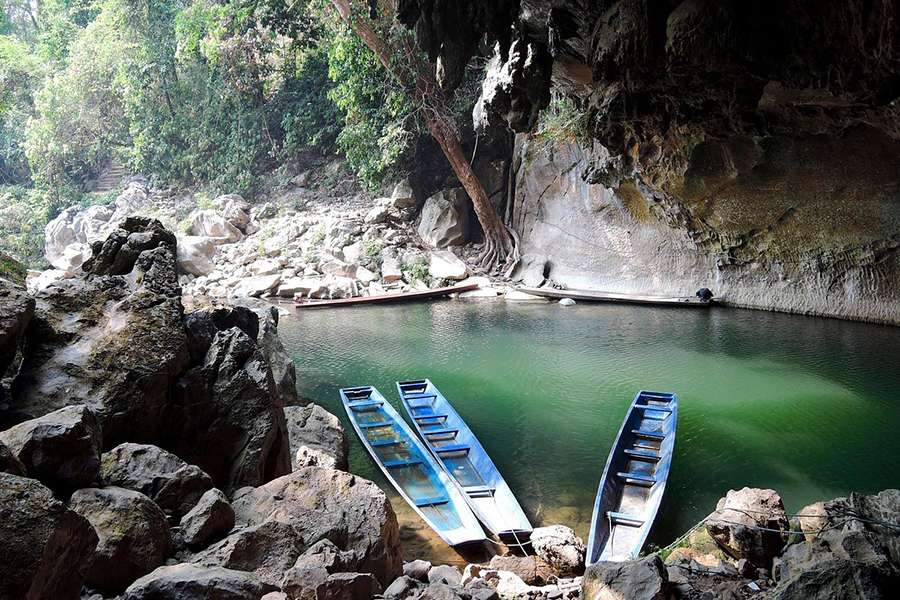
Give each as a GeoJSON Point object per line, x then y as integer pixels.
{"type": "Point", "coordinates": [16, 310]}
{"type": "Point", "coordinates": [210, 224]}
{"type": "Point", "coordinates": [61, 449]}
{"type": "Point", "coordinates": [192, 582]}
{"type": "Point", "coordinates": [559, 547]}
{"type": "Point", "coordinates": [134, 535]}
{"type": "Point", "coordinates": [750, 523]}
{"type": "Point", "coordinates": [210, 519]}
{"type": "Point", "coordinates": [195, 254]}
{"type": "Point", "coordinates": [9, 463]}
{"type": "Point", "coordinates": [235, 209]}
{"type": "Point", "coordinates": [317, 438]}
{"type": "Point", "coordinates": [445, 219]}
{"type": "Point", "coordinates": [46, 547]}
{"type": "Point", "coordinates": [282, 519]}
{"type": "Point", "coordinates": [257, 285]}
{"type": "Point", "coordinates": [227, 418]}
{"type": "Point", "coordinates": [111, 340]}
{"type": "Point", "coordinates": [301, 583]}
{"type": "Point", "coordinates": [173, 484]}
{"type": "Point", "coordinates": [443, 264]}
{"type": "Point", "coordinates": [853, 555]}
{"type": "Point", "coordinates": [644, 579]}
{"type": "Point", "coordinates": [403, 195]}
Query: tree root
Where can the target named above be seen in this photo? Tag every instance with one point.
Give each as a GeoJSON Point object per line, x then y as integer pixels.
{"type": "Point", "coordinates": [501, 253]}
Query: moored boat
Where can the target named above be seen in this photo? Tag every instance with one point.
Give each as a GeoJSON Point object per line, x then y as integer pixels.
{"type": "Point", "coordinates": [409, 466]}
{"type": "Point", "coordinates": [634, 480]}
{"type": "Point", "coordinates": [465, 460]}
{"type": "Point", "coordinates": [386, 298]}
{"type": "Point", "coordinates": [599, 296]}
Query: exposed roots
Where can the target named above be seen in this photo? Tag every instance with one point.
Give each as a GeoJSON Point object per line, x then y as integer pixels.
{"type": "Point", "coordinates": [501, 252]}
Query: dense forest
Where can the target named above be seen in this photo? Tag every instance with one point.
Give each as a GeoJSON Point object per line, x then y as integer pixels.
{"type": "Point", "coordinates": [215, 93]}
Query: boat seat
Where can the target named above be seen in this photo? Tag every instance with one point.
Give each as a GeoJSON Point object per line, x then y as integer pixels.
{"type": "Point", "coordinates": [479, 491]}
{"type": "Point", "coordinates": [642, 455]}
{"type": "Point", "coordinates": [445, 431]}
{"type": "Point", "coordinates": [418, 396]}
{"type": "Point", "coordinates": [402, 462]}
{"type": "Point", "coordinates": [652, 407]}
{"type": "Point", "coordinates": [452, 448]}
{"type": "Point", "coordinates": [649, 435]}
{"type": "Point", "coordinates": [618, 518]}
{"type": "Point", "coordinates": [362, 405]}
{"type": "Point", "coordinates": [431, 416]}
{"type": "Point", "coordinates": [432, 501]}
{"type": "Point", "coordinates": [637, 479]}
{"type": "Point", "coordinates": [379, 443]}
{"type": "Point", "coordinates": [374, 424]}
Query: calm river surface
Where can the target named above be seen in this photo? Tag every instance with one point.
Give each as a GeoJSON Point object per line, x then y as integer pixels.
{"type": "Point", "coordinates": [809, 407]}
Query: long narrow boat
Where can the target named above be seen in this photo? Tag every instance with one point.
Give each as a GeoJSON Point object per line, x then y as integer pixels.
{"type": "Point", "coordinates": [409, 466]}
{"type": "Point", "coordinates": [386, 298]}
{"type": "Point", "coordinates": [598, 296]}
{"type": "Point", "coordinates": [464, 459]}
{"type": "Point", "coordinates": [634, 479]}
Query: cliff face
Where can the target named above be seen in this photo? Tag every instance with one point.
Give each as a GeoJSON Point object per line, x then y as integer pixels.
{"type": "Point", "coordinates": [750, 147]}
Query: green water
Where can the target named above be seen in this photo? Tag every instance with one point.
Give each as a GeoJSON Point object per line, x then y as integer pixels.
{"type": "Point", "coordinates": [807, 406]}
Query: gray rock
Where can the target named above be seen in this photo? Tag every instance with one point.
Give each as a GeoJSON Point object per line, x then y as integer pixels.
{"type": "Point", "coordinates": [379, 213]}
{"type": "Point", "coordinates": [390, 267]}
{"type": "Point", "coordinates": [210, 520]}
{"type": "Point", "coordinates": [254, 287]}
{"type": "Point", "coordinates": [61, 449]}
{"type": "Point", "coordinates": [210, 224]}
{"type": "Point", "coordinates": [134, 535]}
{"type": "Point", "coordinates": [417, 569]}
{"type": "Point", "coordinates": [644, 579]}
{"type": "Point", "coordinates": [532, 270]}
{"type": "Point", "coordinates": [193, 582]}
{"type": "Point", "coordinates": [300, 584]}
{"type": "Point", "coordinates": [16, 310]}
{"type": "Point", "coordinates": [47, 549]}
{"type": "Point", "coordinates": [317, 438]}
{"type": "Point", "coordinates": [559, 547]}
{"type": "Point", "coordinates": [445, 219]}
{"type": "Point", "coordinates": [298, 510]}
{"type": "Point", "coordinates": [738, 514]}
{"type": "Point", "coordinates": [403, 195]}
{"type": "Point", "coordinates": [169, 481]}
{"type": "Point", "coordinates": [443, 264]}
{"type": "Point", "coordinates": [195, 254]}
{"type": "Point", "coordinates": [447, 574]}
{"type": "Point", "coordinates": [514, 91]}
{"type": "Point", "coordinates": [9, 463]}
{"type": "Point", "coordinates": [566, 302]}
{"type": "Point", "coordinates": [533, 570]}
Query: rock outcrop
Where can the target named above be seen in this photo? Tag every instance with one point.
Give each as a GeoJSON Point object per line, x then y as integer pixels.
{"type": "Point", "coordinates": [47, 548]}
{"type": "Point", "coordinates": [134, 535]}
{"type": "Point", "coordinates": [445, 219]}
{"type": "Point", "coordinates": [209, 521]}
{"type": "Point", "coordinates": [193, 582]}
{"type": "Point", "coordinates": [750, 523]}
{"type": "Point", "coordinates": [559, 547]}
{"type": "Point", "coordinates": [317, 438]}
{"type": "Point", "coordinates": [644, 579]}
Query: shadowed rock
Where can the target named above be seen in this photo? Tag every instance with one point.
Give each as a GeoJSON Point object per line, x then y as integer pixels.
{"type": "Point", "coordinates": [210, 520]}
{"type": "Point", "coordinates": [750, 523]}
{"type": "Point", "coordinates": [193, 582]}
{"type": "Point", "coordinates": [317, 438]}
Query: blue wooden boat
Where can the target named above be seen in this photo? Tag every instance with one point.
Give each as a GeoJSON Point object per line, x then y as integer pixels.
{"type": "Point", "coordinates": [634, 479]}
{"type": "Point", "coordinates": [464, 459]}
{"type": "Point", "coordinates": [409, 466]}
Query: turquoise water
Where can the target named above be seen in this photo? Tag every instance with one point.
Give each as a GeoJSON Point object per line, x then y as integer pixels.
{"type": "Point", "coordinates": [809, 407]}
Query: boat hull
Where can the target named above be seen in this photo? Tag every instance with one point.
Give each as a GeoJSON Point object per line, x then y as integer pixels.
{"type": "Point", "coordinates": [597, 296]}
{"type": "Point", "coordinates": [634, 479]}
{"type": "Point", "coordinates": [409, 466]}
{"type": "Point", "coordinates": [386, 298]}
{"type": "Point", "coordinates": [453, 444]}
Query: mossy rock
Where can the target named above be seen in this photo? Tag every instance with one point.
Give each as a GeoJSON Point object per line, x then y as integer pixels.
{"type": "Point", "coordinates": [11, 269]}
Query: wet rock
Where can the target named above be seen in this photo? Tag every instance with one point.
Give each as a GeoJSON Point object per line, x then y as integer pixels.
{"type": "Point", "coordinates": [417, 569]}
{"type": "Point", "coordinates": [317, 438]}
{"type": "Point", "coordinates": [9, 463]}
{"type": "Point", "coordinates": [445, 219]}
{"type": "Point", "coordinates": [210, 520]}
{"type": "Point", "coordinates": [195, 255]}
{"type": "Point", "coordinates": [309, 505]}
{"type": "Point", "coordinates": [210, 224]}
{"type": "Point", "coordinates": [228, 418]}
{"type": "Point", "coordinates": [192, 582]}
{"type": "Point", "coordinates": [644, 579]}
{"type": "Point", "coordinates": [61, 449]}
{"type": "Point", "coordinates": [134, 535]}
{"type": "Point", "coordinates": [446, 574]}
{"type": "Point", "coordinates": [737, 515]}
{"type": "Point", "coordinates": [559, 547]}
{"type": "Point", "coordinates": [38, 281]}
{"type": "Point", "coordinates": [160, 475]}
{"type": "Point", "coordinates": [47, 548]}
{"type": "Point", "coordinates": [113, 343]}
{"type": "Point", "coordinates": [443, 264]}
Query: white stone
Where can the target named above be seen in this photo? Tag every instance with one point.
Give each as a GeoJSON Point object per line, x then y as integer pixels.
{"type": "Point", "coordinates": [256, 286]}
{"type": "Point", "coordinates": [194, 254]}
{"type": "Point", "coordinates": [38, 281]}
{"type": "Point", "coordinates": [390, 268]}
{"type": "Point", "coordinates": [520, 296]}
{"type": "Point", "coordinates": [365, 275]}
{"type": "Point", "coordinates": [264, 267]}
{"type": "Point", "coordinates": [211, 224]}
{"type": "Point", "coordinates": [338, 268]}
{"type": "Point", "coordinates": [377, 214]}
{"type": "Point", "coordinates": [567, 302]}
{"type": "Point", "coordinates": [295, 286]}
{"type": "Point", "coordinates": [443, 264]}
{"type": "Point", "coordinates": [487, 292]}
{"type": "Point", "coordinates": [480, 280]}
{"type": "Point", "coordinates": [403, 196]}
{"type": "Point", "coordinates": [353, 252]}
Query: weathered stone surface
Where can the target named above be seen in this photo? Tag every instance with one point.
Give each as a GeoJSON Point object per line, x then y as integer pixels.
{"type": "Point", "coordinates": [227, 418]}
{"type": "Point", "coordinates": [559, 547]}
{"type": "Point", "coordinates": [9, 463]}
{"type": "Point", "coordinates": [257, 286]}
{"type": "Point", "coordinates": [403, 196]}
{"type": "Point", "coordinates": [160, 475]}
{"type": "Point", "coordinates": [317, 437]}
{"type": "Point", "coordinates": [16, 310]}
{"type": "Point", "coordinates": [445, 219]}
{"type": "Point", "coordinates": [390, 267]}
{"type": "Point", "coordinates": [134, 535]}
{"type": "Point", "coordinates": [195, 254]}
{"type": "Point", "coordinates": [111, 342]}
{"type": "Point", "coordinates": [739, 513]}
{"type": "Point", "coordinates": [210, 520]}
{"type": "Point", "coordinates": [417, 569]}
{"type": "Point", "coordinates": [402, 588]}
{"type": "Point", "coordinates": [46, 548]}
{"type": "Point", "coordinates": [443, 264]}
{"type": "Point", "coordinates": [293, 512]}
{"type": "Point", "coordinates": [532, 569]}
{"type": "Point", "coordinates": [644, 579]}
{"type": "Point", "coordinates": [300, 584]}
{"type": "Point", "coordinates": [192, 582]}
{"type": "Point", "coordinates": [447, 574]}
{"type": "Point", "coordinates": [61, 449]}
{"type": "Point", "coordinates": [531, 270]}
{"type": "Point", "coordinates": [210, 224]}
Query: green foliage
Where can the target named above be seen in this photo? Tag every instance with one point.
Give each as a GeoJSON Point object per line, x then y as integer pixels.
{"type": "Point", "coordinates": [23, 214]}
{"type": "Point", "coordinates": [11, 269]}
{"type": "Point", "coordinates": [561, 121]}
{"type": "Point", "coordinates": [416, 269]}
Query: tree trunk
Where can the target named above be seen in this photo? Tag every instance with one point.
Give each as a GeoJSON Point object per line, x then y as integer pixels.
{"type": "Point", "coordinates": [500, 242]}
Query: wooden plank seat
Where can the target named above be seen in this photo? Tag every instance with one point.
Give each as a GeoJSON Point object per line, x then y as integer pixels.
{"type": "Point", "coordinates": [432, 501]}
{"type": "Point", "coordinates": [403, 462]}
{"type": "Point", "coordinates": [374, 424]}
{"type": "Point", "coordinates": [452, 448]}
{"type": "Point", "coordinates": [649, 435]}
{"type": "Point", "coordinates": [367, 404]}
{"type": "Point", "coordinates": [619, 518]}
{"type": "Point", "coordinates": [637, 479]}
{"type": "Point", "coordinates": [643, 455]}
{"type": "Point", "coordinates": [380, 443]}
